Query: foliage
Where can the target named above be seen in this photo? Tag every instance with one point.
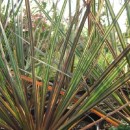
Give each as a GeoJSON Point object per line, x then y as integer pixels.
{"type": "Point", "coordinates": [121, 127]}
{"type": "Point", "coordinates": [55, 71]}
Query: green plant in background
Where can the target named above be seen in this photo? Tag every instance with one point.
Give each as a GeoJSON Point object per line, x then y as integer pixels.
{"type": "Point", "coordinates": [121, 127]}
{"type": "Point", "coordinates": [46, 63]}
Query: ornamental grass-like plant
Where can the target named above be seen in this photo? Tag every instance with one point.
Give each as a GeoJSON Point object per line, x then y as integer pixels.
{"type": "Point", "coordinates": [55, 71]}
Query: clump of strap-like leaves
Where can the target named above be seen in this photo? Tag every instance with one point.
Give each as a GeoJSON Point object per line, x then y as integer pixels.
{"type": "Point", "coordinates": [55, 71]}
